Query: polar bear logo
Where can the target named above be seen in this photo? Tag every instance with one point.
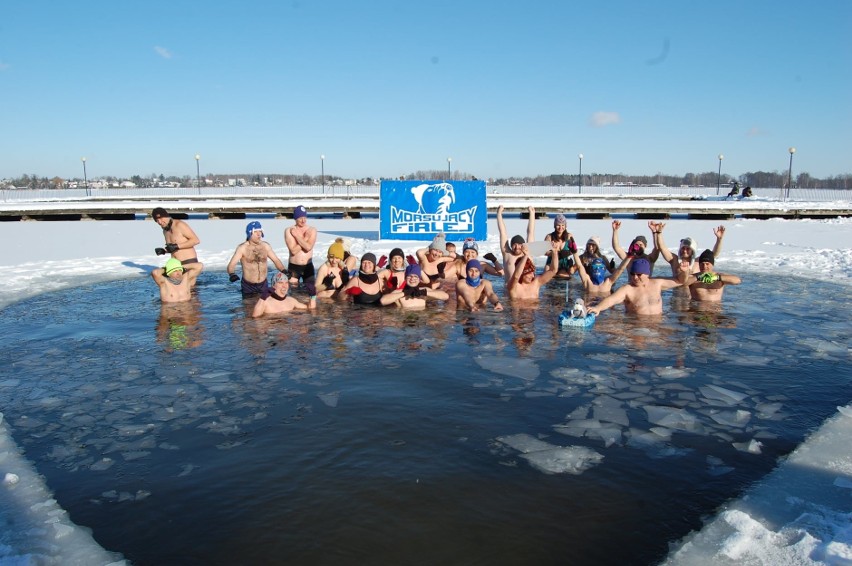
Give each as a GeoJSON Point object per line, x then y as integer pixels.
{"type": "Point", "coordinates": [434, 199]}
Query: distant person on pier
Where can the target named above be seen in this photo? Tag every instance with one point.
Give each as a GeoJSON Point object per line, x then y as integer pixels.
{"type": "Point", "coordinates": [253, 255]}
{"type": "Point", "coordinates": [300, 240]}
{"type": "Point", "coordinates": [512, 250]}
{"type": "Point", "coordinates": [176, 280]}
{"type": "Point", "coordinates": [746, 192]}
{"type": "Point", "coordinates": [180, 238]}
{"type": "Point", "coordinates": [707, 285]}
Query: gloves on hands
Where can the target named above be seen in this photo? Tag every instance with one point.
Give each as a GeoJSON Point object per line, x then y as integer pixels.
{"type": "Point", "coordinates": [708, 277]}
{"type": "Point", "coordinates": [172, 248]}
{"type": "Point", "coordinates": [233, 277]}
{"type": "Point", "coordinates": [160, 251]}
{"type": "Point", "coordinates": [414, 292]}
{"type": "Point", "coordinates": [328, 281]}
{"type": "Point", "coordinates": [411, 259]}
{"type": "Point", "coordinates": [572, 245]}
{"type": "Point", "coordinates": [635, 250]}
{"type": "Point", "coordinates": [383, 261]}
{"type": "Point", "coordinates": [392, 282]}
{"type": "Point", "coordinates": [490, 257]}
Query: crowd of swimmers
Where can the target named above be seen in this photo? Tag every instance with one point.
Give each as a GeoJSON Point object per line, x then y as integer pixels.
{"type": "Point", "coordinates": [439, 271]}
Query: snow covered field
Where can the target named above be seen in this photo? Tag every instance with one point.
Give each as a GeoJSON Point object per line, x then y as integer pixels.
{"type": "Point", "coordinates": [800, 514]}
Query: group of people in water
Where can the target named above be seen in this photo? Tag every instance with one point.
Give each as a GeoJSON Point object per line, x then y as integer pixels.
{"type": "Point", "coordinates": [435, 273]}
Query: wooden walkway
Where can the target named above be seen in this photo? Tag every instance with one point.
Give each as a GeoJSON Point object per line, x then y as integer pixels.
{"type": "Point", "coordinates": [573, 206]}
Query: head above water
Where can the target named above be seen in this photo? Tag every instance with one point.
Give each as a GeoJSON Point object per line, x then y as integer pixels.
{"type": "Point", "coordinates": [707, 257]}
{"type": "Point", "coordinates": [158, 213]}
{"type": "Point", "coordinates": [470, 244]}
{"type": "Point", "coordinates": [251, 227]}
{"type": "Point", "coordinates": [368, 257]}
{"type": "Point", "coordinates": [688, 244]}
{"type": "Point", "coordinates": [517, 241]}
{"type": "Point", "coordinates": [335, 250]}
{"type": "Point", "coordinates": [439, 242]}
{"type": "Point", "coordinates": [559, 221]}
{"type": "Point", "coordinates": [413, 270]}
{"type": "Point", "coordinates": [640, 266]}
{"type": "Point", "coordinates": [173, 265]}
{"type": "Point", "coordinates": [280, 278]}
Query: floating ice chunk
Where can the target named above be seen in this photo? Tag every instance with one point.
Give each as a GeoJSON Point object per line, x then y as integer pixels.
{"type": "Point", "coordinates": [752, 447]}
{"type": "Point", "coordinates": [102, 464]}
{"type": "Point", "coordinates": [670, 372]}
{"type": "Point", "coordinates": [768, 410]}
{"type": "Point", "coordinates": [330, 399]}
{"type": "Point", "coordinates": [135, 455]}
{"type": "Point", "coordinates": [731, 418]}
{"type": "Point", "coordinates": [523, 368]}
{"type": "Point", "coordinates": [609, 435]}
{"type": "Point", "coordinates": [524, 443]}
{"type": "Point", "coordinates": [662, 432]}
{"type": "Point", "coordinates": [678, 419]}
{"type": "Point", "coordinates": [839, 482]}
{"type": "Point", "coordinates": [726, 396]}
{"type": "Point", "coordinates": [557, 460]}
{"type": "Point", "coordinates": [10, 479]}
{"type": "Point", "coordinates": [615, 415]}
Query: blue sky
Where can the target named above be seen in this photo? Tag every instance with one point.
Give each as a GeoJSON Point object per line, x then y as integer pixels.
{"type": "Point", "coordinates": [386, 88]}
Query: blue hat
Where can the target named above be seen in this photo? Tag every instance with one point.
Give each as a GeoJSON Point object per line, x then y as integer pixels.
{"type": "Point", "coordinates": [640, 265]}
{"type": "Point", "coordinates": [473, 263]}
{"type": "Point", "coordinates": [251, 227]}
{"type": "Point", "coordinates": [414, 269]}
{"type": "Point", "coordinates": [299, 212]}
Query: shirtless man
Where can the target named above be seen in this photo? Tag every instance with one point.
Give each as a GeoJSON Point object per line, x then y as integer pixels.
{"type": "Point", "coordinates": [706, 285]}
{"type": "Point", "coordinates": [525, 284]}
{"type": "Point", "coordinates": [470, 250]}
{"type": "Point", "coordinates": [252, 255]}
{"type": "Point", "coordinates": [180, 238]}
{"type": "Point", "coordinates": [277, 300]}
{"type": "Point", "coordinates": [412, 295]}
{"type": "Point", "coordinates": [473, 291]}
{"type": "Point", "coordinates": [433, 262]}
{"type": "Point", "coordinates": [643, 294]}
{"type": "Point", "coordinates": [175, 280]}
{"type": "Point", "coordinates": [511, 249]}
{"type": "Point", "coordinates": [687, 251]}
{"type": "Point", "coordinates": [300, 240]}
{"type": "Point", "coordinates": [597, 282]}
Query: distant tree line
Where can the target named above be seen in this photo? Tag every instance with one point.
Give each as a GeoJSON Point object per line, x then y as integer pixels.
{"type": "Point", "coordinates": [757, 179]}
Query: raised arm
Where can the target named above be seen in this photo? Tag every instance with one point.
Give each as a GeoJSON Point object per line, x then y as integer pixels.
{"type": "Point", "coordinates": [531, 225]}
{"type": "Point", "coordinates": [657, 231]}
{"type": "Point", "coordinates": [616, 247]}
{"type": "Point", "coordinates": [501, 227]}
{"type": "Point", "coordinates": [719, 233]}
{"type": "Point", "coordinates": [192, 271]}
{"type": "Point", "coordinates": [581, 269]}
{"type": "Point", "coordinates": [620, 269]}
{"type": "Point", "coordinates": [551, 268]}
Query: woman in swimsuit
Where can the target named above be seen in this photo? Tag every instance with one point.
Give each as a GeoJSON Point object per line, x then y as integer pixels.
{"type": "Point", "coordinates": [332, 274]}
{"type": "Point", "coordinates": [365, 288]}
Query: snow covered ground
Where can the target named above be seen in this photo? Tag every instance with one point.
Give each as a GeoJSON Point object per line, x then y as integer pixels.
{"type": "Point", "coordinates": [800, 514]}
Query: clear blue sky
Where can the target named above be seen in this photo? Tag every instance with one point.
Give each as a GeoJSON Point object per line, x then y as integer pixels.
{"type": "Point", "coordinates": [385, 88]}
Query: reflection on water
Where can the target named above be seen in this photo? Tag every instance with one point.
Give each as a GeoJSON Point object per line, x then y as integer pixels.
{"type": "Point", "coordinates": [382, 436]}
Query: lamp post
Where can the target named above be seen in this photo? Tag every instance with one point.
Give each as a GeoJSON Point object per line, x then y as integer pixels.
{"type": "Point", "coordinates": [322, 172]}
{"type": "Point", "coordinates": [792, 150]}
{"type": "Point", "coordinates": [198, 172]}
{"type": "Point", "coordinates": [719, 175]}
{"type": "Point", "coordinates": [85, 179]}
{"type": "Point", "coordinates": [580, 176]}
{"type": "Point", "coordinates": [449, 171]}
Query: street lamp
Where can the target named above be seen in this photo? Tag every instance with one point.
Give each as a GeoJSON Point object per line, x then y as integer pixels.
{"type": "Point", "coordinates": [792, 150]}
{"type": "Point", "coordinates": [580, 176]}
{"type": "Point", "coordinates": [322, 172]}
{"type": "Point", "coordinates": [85, 179]}
{"type": "Point", "coordinates": [198, 172]}
{"type": "Point", "coordinates": [719, 176]}
{"type": "Point", "coordinates": [449, 173]}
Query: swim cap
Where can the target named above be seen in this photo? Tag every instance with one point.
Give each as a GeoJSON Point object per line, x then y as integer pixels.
{"type": "Point", "coordinates": [397, 252]}
{"type": "Point", "coordinates": [560, 219]}
{"type": "Point", "coordinates": [470, 244]}
{"type": "Point", "coordinates": [707, 255]}
{"type": "Point", "coordinates": [280, 277]}
{"type": "Point", "coordinates": [640, 265]}
{"type": "Point", "coordinates": [172, 265]}
{"type": "Point", "coordinates": [517, 240]}
{"type": "Point", "coordinates": [336, 250]}
{"type": "Point", "coordinates": [439, 242]}
{"type": "Point", "coordinates": [473, 263]}
{"type": "Point", "coordinates": [300, 212]}
{"type": "Point", "coordinates": [597, 271]}
{"type": "Point", "coordinates": [369, 256]}
{"type": "Point", "coordinates": [159, 213]}
{"type": "Point", "coordinates": [414, 270]}
{"type": "Point", "coordinates": [251, 227]}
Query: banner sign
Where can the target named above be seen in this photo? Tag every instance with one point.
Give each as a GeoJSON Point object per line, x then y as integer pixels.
{"type": "Point", "coordinates": [417, 210]}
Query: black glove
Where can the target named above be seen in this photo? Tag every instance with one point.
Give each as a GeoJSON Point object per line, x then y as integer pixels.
{"type": "Point", "coordinates": [612, 264]}
{"type": "Point", "coordinates": [328, 281]}
{"type": "Point", "coordinates": [344, 275]}
{"type": "Point", "coordinates": [311, 286]}
{"type": "Point", "coordinates": [413, 292]}
{"type": "Point", "coordinates": [233, 277]}
{"type": "Point", "coordinates": [490, 257]}
{"type": "Point", "coordinates": [392, 282]}
{"type": "Point", "coordinates": [171, 248]}
{"type": "Point", "coordinates": [160, 251]}
{"type": "Point", "coordinates": [265, 293]}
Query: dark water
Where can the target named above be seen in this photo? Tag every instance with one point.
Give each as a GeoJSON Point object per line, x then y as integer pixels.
{"type": "Point", "coordinates": [194, 435]}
